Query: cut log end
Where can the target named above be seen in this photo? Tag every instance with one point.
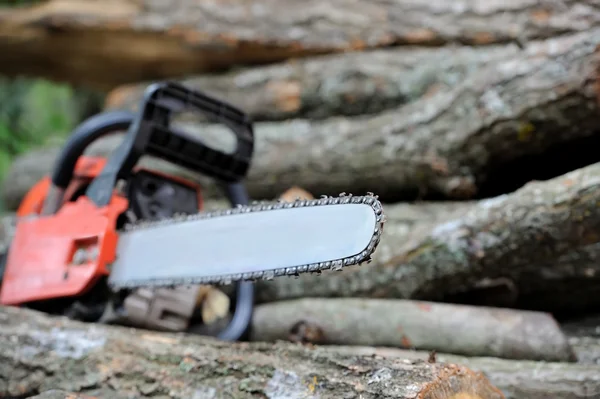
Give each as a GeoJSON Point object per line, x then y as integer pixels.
{"type": "Point", "coordinates": [458, 382]}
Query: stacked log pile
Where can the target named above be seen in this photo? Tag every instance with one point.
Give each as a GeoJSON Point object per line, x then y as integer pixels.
{"type": "Point", "coordinates": [474, 121]}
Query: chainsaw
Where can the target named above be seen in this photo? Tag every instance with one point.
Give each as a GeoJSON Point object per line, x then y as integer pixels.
{"type": "Point", "coordinates": [103, 239]}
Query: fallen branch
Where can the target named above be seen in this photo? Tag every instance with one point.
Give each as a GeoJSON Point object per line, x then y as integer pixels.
{"type": "Point", "coordinates": [510, 236]}
{"type": "Point", "coordinates": [463, 330]}
{"type": "Point", "coordinates": [356, 83]}
{"type": "Point", "coordinates": [95, 38]}
{"type": "Point", "coordinates": [447, 144]}
{"type": "Point", "coordinates": [39, 353]}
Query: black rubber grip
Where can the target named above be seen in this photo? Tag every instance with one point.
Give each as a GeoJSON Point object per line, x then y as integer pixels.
{"type": "Point", "coordinates": [162, 101]}
{"type": "Point", "coordinates": [87, 132]}
{"type": "Point", "coordinates": [152, 133]}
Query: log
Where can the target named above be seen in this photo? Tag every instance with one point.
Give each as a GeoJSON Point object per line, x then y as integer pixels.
{"type": "Point", "coordinates": [508, 236]}
{"type": "Point", "coordinates": [179, 38]}
{"type": "Point", "coordinates": [357, 83]}
{"type": "Point", "coordinates": [517, 379]}
{"type": "Point", "coordinates": [40, 353]}
{"type": "Point", "coordinates": [462, 330]}
{"type": "Point", "coordinates": [522, 379]}
{"type": "Point", "coordinates": [449, 144]}
{"type": "Point", "coordinates": [565, 285]}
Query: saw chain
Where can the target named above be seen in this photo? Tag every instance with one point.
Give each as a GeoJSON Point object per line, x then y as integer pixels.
{"type": "Point", "coordinates": [265, 206]}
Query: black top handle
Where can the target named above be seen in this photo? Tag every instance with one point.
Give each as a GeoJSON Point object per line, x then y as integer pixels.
{"type": "Point", "coordinates": [86, 133]}
{"type": "Point", "coordinates": [152, 133]}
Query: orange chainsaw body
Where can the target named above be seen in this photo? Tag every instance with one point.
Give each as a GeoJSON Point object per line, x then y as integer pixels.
{"type": "Point", "coordinates": [41, 262]}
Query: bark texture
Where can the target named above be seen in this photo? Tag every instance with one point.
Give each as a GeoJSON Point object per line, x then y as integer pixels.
{"type": "Point", "coordinates": [355, 83]}
{"type": "Point", "coordinates": [59, 357]}
{"type": "Point", "coordinates": [39, 354]}
{"type": "Point", "coordinates": [509, 236]}
{"type": "Point", "coordinates": [463, 330]}
{"type": "Point", "coordinates": [178, 37]}
{"type": "Point", "coordinates": [447, 144]}
{"type": "Point", "coordinates": [517, 379]}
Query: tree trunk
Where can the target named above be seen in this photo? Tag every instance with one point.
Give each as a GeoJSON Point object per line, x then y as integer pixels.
{"type": "Point", "coordinates": [449, 143]}
{"type": "Point", "coordinates": [96, 38]}
{"type": "Point", "coordinates": [463, 330]}
{"type": "Point", "coordinates": [356, 83]}
{"type": "Point", "coordinates": [39, 353]}
{"type": "Point", "coordinates": [518, 236]}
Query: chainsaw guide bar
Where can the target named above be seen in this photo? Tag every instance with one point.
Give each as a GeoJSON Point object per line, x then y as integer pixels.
{"type": "Point", "coordinates": [254, 241]}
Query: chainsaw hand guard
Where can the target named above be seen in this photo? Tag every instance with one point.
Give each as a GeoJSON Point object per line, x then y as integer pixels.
{"type": "Point", "coordinates": [152, 133]}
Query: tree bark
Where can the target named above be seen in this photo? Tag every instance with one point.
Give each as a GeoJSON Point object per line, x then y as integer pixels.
{"type": "Point", "coordinates": [462, 330]}
{"type": "Point", "coordinates": [510, 236]}
{"type": "Point", "coordinates": [178, 38]}
{"type": "Point", "coordinates": [446, 144]}
{"type": "Point", "coordinates": [39, 353]}
{"type": "Point", "coordinates": [350, 84]}
{"type": "Point", "coordinates": [517, 379]}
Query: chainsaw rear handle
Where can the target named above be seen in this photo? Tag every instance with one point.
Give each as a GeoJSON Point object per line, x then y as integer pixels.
{"type": "Point", "coordinates": [152, 133]}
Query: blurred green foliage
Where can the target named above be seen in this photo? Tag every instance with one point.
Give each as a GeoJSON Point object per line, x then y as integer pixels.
{"type": "Point", "coordinates": [37, 112]}
{"type": "Point", "coordinates": [16, 3]}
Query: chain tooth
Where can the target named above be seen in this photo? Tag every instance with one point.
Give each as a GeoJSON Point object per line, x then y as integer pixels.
{"type": "Point", "coordinates": [268, 275]}
{"type": "Point", "coordinates": [337, 265]}
{"type": "Point", "coordinates": [279, 272]}
{"type": "Point", "coordinates": [303, 269]}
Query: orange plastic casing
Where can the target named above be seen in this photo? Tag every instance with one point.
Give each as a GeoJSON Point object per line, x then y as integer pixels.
{"type": "Point", "coordinates": [40, 263]}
